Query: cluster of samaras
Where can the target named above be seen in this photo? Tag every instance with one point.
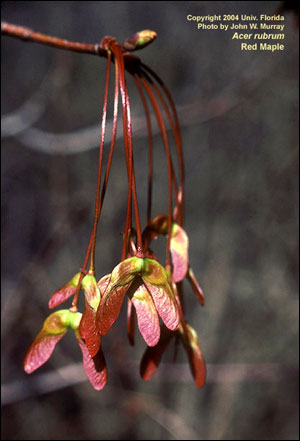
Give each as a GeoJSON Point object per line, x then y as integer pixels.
{"type": "Point", "coordinates": [153, 290]}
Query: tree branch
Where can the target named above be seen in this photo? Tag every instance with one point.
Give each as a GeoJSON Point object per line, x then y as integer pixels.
{"type": "Point", "coordinates": [179, 373]}
{"type": "Point", "coordinates": [30, 35]}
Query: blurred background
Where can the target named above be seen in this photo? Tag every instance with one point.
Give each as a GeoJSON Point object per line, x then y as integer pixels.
{"type": "Point", "coordinates": [239, 117]}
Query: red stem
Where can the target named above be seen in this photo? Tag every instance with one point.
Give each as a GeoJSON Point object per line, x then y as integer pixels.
{"type": "Point", "coordinates": [177, 211]}
{"type": "Point", "coordinates": [162, 127]}
{"type": "Point", "coordinates": [103, 126]}
{"type": "Point", "coordinates": [134, 194]}
{"type": "Point", "coordinates": [120, 62]}
{"type": "Point", "coordinates": [150, 143]}
{"type": "Point", "coordinates": [150, 172]}
{"type": "Point", "coordinates": [178, 141]}
{"type": "Point", "coordinates": [92, 241]}
{"type": "Point", "coordinates": [113, 139]}
{"type": "Point", "coordinates": [129, 156]}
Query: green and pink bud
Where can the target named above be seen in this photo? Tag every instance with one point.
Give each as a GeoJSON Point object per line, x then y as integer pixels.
{"type": "Point", "coordinates": [94, 367]}
{"type": "Point", "coordinates": [120, 280]}
{"type": "Point", "coordinates": [147, 317]}
{"type": "Point", "coordinates": [196, 361]}
{"type": "Point", "coordinates": [156, 281]}
{"type": "Point", "coordinates": [152, 356]}
{"type": "Point", "coordinates": [154, 295]}
{"type": "Point", "coordinates": [179, 244]}
{"type": "Point", "coordinates": [139, 40]}
{"type": "Point", "coordinates": [54, 328]}
{"type": "Point", "coordinates": [88, 329]}
{"type": "Point", "coordinates": [65, 292]}
{"type": "Point", "coordinates": [91, 291]}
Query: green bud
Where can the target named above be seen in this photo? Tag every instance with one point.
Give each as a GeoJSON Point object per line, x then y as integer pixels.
{"type": "Point", "coordinates": [59, 321]}
{"type": "Point", "coordinates": [126, 271]}
{"type": "Point", "coordinates": [73, 320]}
{"type": "Point", "coordinates": [139, 40]}
{"type": "Point", "coordinates": [56, 323]}
{"type": "Point", "coordinates": [154, 272]}
{"type": "Point", "coordinates": [91, 291]}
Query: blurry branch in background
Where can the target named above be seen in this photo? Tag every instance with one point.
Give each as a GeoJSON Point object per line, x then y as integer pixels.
{"type": "Point", "coordinates": [170, 420]}
{"type": "Point", "coordinates": [19, 124]}
{"type": "Point", "coordinates": [27, 115]}
{"type": "Point", "coordinates": [73, 374]}
{"type": "Point", "coordinates": [178, 373]}
{"type": "Point", "coordinates": [31, 111]}
{"type": "Point", "coordinates": [83, 140]}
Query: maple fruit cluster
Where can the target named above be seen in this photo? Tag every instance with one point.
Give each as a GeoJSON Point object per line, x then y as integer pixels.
{"type": "Point", "coordinates": [154, 291]}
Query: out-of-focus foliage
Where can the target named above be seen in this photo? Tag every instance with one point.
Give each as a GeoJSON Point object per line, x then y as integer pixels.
{"type": "Point", "coordinates": [239, 115]}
